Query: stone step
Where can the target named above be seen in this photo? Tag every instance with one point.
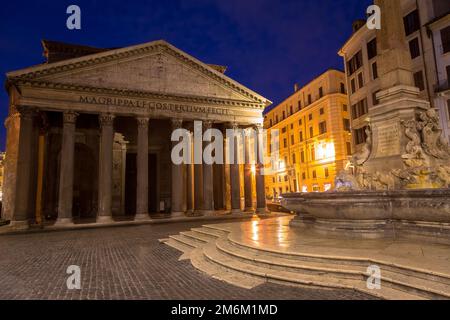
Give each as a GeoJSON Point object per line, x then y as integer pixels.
{"type": "Point", "coordinates": [178, 246]}
{"type": "Point", "coordinates": [216, 229]}
{"type": "Point", "coordinates": [427, 288]}
{"type": "Point", "coordinates": [347, 262]}
{"type": "Point", "coordinates": [241, 280]}
{"type": "Point", "coordinates": [186, 241]}
{"type": "Point", "coordinates": [208, 232]}
{"type": "Point", "coordinates": [197, 236]}
{"type": "Point", "coordinates": [296, 278]}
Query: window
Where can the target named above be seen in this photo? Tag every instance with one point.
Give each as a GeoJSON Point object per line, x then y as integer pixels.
{"type": "Point", "coordinates": [445, 37]}
{"type": "Point", "coordinates": [360, 80]}
{"type": "Point", "coordinates": [411, 22]}
{"type": "Point", "coordinates": [271, 122]}
{"type": "Point", "coordinates": [310, 117]}
{"type": "Point", "coordinates": [292, 126]}
{"type": "Point", "coordinates": [353, 85]}
{"type": "Point", "coordinates": [285, 142]}
{"type": "Point", "coordinates": [314, 174]}
{"type": "Point", "coordinates": [374, 71]}
{"type": "Point", "coordinates": [345, 108]}
{"type": "Point", "coordinates": [327, 172]}
{"type": "Point", "coordinates": [360, 135]}
{"type": "Point", "coordinates": [291, 110]}
{"type": "Point", "coordinates": [311, 132]}
{"type": "Point", "coordinates": [448, 109]}
{"type": "Point", "coordinates": [299, 105]}
{"type": "Point", "coordinates": [283, 130]}
{"type": "Point", "coordinates": [292, 140]}
{"type": "Point", "coordinates": [343, 88]}
{"type": "Point", "coordinates": [300, 122]}
{"type": "Point", "coordinates": [301, 136]}
{"type": "Point", "coordinates": [294, 159]}
{"type": "Point", "coordinates": [375, 101]}
{"type": "Point", "coordinates": [276, 119]}
{"type": "Point", "coordinates": [322, 111]}
{"type": "Point", "coordinates": [320, 92]}
{"type": "Point", "coordinates": [309, 99]}
{"type": "Point", "coordinates": [414, 49]}
{"type": "Point", "coordinates": [347, 125]}
{"type": "Point", "coordinates": [284, 115]}
{"type": "Point", "coordinates": [372, 49]}
{"type": "Point", "coordinates": [448, 75]}
{"type": "Point", "coordinates": [304, 176]}
{"type": "Point", "coordinates": [349, 149]}
{"type": "Point", "coordinates": [285, 179]}
{"type": "Point", "coordinates": [302, 157]}
{"type": "Point", "coordinates": [354, 63]}
{"type": "Point", "coordinates": [323, 127]}
{"type": "Point", "coordinates": [359, 109]}
{"type": "Point", "coordinates": [418, 80]}
{"type": "Point", "coordinates": [313, 154]}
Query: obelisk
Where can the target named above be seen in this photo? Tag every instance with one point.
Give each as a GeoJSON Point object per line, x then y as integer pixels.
{"type": "Point", "coordinates": [399, 98]}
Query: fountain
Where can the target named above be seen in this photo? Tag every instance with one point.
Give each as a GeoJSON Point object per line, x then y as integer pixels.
{"type": "Point", "coordinates": [398, 184]}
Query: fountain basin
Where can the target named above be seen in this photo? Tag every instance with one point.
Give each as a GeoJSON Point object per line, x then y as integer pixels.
{"type": "Point", "coordinates": [373, 214]}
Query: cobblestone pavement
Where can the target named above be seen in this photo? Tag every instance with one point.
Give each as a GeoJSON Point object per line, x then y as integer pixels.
{"type": "Point", "coordinates": [122, 263]}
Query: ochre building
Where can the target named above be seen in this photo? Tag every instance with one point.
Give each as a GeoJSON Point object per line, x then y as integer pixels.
{"type": "Point", "coordinates": [314, 136]}
{"type": "Point", "coordinates": [89, 135]}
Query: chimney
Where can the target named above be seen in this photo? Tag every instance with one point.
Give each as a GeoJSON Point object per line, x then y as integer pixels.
{"type": "Point", "coordinates": [296, 87]}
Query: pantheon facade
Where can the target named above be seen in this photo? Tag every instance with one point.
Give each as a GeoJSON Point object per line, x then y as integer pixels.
{"type": "Point", "coordinates": [89, 136]}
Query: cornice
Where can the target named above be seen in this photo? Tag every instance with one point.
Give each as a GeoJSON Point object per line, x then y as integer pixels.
{"type": "Point", "coordinates": [23, 83]}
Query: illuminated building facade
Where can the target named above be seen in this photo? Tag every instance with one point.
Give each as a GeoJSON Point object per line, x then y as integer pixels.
{"type": "Point", "coordinates": [314, 136]}
{"type": "Point", "coordinates": [427, 29]}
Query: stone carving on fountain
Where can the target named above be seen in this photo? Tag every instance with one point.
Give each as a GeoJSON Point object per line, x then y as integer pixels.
{"type": "Point", "coordinates": [426, 160]}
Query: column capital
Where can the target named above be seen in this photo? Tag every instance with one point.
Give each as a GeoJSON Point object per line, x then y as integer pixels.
{"type": "Point", "coordinates": [176, 123]}
{"type": "Point", "coordinates": [106, 119]}
{"type": "Point", "coordinates": [232, 125]}
{"type": "Point", "coordinates": [207, 124]}
{"type": "Point", "coordinates": [258, 127]}
{"type": "Point", "coordinates": [142, 122]}
{"type": "Point", "coordinates": [69, 117]}
{"type": "Point", "coordinates": [26, 112]}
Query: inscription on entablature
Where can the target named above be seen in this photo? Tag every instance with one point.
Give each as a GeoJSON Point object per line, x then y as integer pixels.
{"type": "Point", "coordinates": [153, 106]}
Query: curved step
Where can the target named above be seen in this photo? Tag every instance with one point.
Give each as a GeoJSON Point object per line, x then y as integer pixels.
{"type": "Point", "coordinates": [426, 275]}
{"type": "Point", "coordinates": [295, 278]}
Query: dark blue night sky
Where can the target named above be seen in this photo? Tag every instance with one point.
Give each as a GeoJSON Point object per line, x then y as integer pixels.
{"type": "Point", "coordinates": [268, 45]}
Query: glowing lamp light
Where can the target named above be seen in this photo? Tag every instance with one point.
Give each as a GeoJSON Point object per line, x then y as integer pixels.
{"type": "Point", "coordinates": [326, 150]}
{"type": "Point", "coordinates": [253, 169]}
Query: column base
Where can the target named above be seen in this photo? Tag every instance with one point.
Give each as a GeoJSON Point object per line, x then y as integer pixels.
{"type": "Point", "coordinates": [177, 214]}
{"type": "Point", "coordinates": [19, 225]}
{"type": "Point", "coordinates": [262, 211]}
{"type": "Point", "coordinates": [208, 213]}
{"type": "Point", "coordinates": [249, 209]}
{"type": "Point", "coordinates": [141, 217]}
{"type": "Point", "coordinates": [63, 221]}
{"type": "Point", "coordinates": [104, 219]}
{"type": "Point", "coordinates": [236, 211]}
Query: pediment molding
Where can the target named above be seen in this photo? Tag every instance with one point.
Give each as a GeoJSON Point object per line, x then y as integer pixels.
{"type": "Point", "coordinates": [23, 83]}
{"type": "Point", "coordinates": [44, 72]}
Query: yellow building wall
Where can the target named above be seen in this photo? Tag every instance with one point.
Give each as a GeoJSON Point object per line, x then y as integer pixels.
{"type": "Point", "coordinates": [290, 173]}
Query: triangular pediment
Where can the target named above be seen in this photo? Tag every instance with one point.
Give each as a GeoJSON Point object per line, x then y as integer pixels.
{"type": "Point", "coordinates": [156, 67]}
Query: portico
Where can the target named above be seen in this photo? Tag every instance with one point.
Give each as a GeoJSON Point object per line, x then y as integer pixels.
{"type": "Point", "coordinates": [103, 122]}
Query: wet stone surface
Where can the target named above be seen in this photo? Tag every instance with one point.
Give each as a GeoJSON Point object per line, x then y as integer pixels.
{"type": "Point", "coordinates": [122, 263]}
